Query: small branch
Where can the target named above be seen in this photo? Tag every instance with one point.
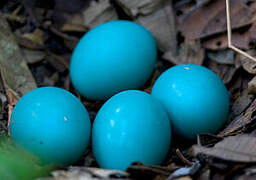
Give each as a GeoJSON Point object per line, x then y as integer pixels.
{"type": "Point", "coordinates": [230, 34]}
{"type": "Point", "coordinates": [60, 34]}
{"type": "Point", "coordinates": [183, 159]}
{"type": "Point", "coordinates": [242, 52]}
{"type": "Point", "coordinates": [13, 17]}
{"type": "Point", "coordinates": [228, 24]}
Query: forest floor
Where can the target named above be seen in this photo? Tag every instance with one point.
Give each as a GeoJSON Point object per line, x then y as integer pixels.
{"type": "Point", "coordinates": [41, 35]}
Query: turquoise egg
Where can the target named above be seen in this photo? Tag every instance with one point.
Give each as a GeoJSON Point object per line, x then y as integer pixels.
{"type": "Point", "coordinates": [52, 124]}
{"type": "Point", "coordinates": [196, 99]}
{"type": "Point", "coordinates": [131, 126]}
{"type": "Point", "coordinates": [114, 56]}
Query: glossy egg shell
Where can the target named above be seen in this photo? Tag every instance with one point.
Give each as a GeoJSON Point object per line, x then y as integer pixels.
{"type": "Point", "coordinates": [131, 126]}
{"type": "Point", "coordinates": [112, 57]}
{"type": "Point", "coordinates": [196, 99]}
{"type": "Point", "coordinates": [52, 124]}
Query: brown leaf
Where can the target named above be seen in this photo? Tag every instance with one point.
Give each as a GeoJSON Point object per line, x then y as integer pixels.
{"type": "Point", "coordinates": [239, 148]}
{"type": "Point", "coordinates": [211, 18]}
{"type": "Point", "coordinates": [242, 39]}
{"type": "Point", "coordinates": [12, 99]}
{"type": "Point", "coordinates": [10, 109]}
{"type": "Point", "coordinates": [220, 41]}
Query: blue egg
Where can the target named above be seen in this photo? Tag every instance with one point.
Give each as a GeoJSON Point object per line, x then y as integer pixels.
{"type": "Point", "coordinates": [131, 126]}
{"type": "Point", "coordinates": [114, 56]}
{"type": "Point", "coordinates": [196, 99]}
{"type": "Point", "coordinates": [52, 124]}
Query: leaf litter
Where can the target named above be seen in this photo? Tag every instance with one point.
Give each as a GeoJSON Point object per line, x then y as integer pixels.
{"type": "Point", "coordinates": [38, 37]}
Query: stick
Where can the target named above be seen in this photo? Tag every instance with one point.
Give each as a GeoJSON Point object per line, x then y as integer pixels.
{"type": "Point", "coordinates": [230, 35]}
{"type": "Point", "coordinates": [183, 159]}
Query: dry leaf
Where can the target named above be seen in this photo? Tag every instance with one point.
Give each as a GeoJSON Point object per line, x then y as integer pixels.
{"type": "Point", "coordinates": [226, 56]}
{"type": "Point", "coordinates": [184, 178]}
{"type": "Point", "coordinates": [208, 140]}
{"type": "Point", "coordinates": [138, 7]}
{"type": "Point", "coordinates": [252, 86]}
{"type": "Point", "coordinates": [99, 12]}
{"type": "Point", "coordinates": [248, 64]}
{"type": "Point", "coordinates": [239, 148]}
{"type": "Point", "coordinates": [33, 56]}
{"type": "Point", "coordinates": [252, 32]}
{"type": "Point", "coordinates": [241, 123]}
{"type": "Point", "coordinates": [185, 172]}
{"type": "Point", "coordinates": [74, 173]}
{"type": "Point", "coordinates": [74, 23]}
{"type": "Point", "coordinates": [211, 18]}
{"type": "Point", "coordinates": [161, 24]}
{"type": "Point", "coordinates": [189, 53]}
{"type": "Point", "coordinates": [220, 41]}
{"type": "Point", "coordinates": [224, 71]}
{"type": "Point", "coordinates": [37, 36]}
{"type": "Point", "coordinates": [14, 70]}
{"type": "Point", "coordinates": [158, 17]}
{"type": "Point", "coordinates": [241, 103]}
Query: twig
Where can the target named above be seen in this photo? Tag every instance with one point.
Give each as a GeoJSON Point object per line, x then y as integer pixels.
{"type": "Point", "coordinates": [13, 17]}
{"type": "Point", "coordinates": [230, 35]}
{"type": "Point", "coordinates": [58, 58]}
{"type": "Point", "coordinates": [17, 10]}
{"type": "Point", "coordinates": [60, 34]}
{"type": "Point", "coordinates": [183, 159]}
